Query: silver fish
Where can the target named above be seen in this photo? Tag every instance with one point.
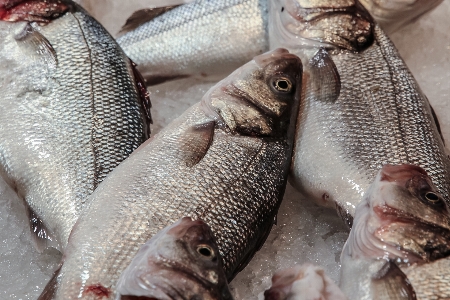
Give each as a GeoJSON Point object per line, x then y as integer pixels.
{"type": "Point", "coordinates": [305, 282]}
{"type": "Point", "coordinates": [224, 161]}
{"type": "Point", "coordinates": [361, 107]}
{"type": "Point", "coordinates": [71, 111]}
{"type": "Point", "coordinates": [394, 14]}
{"type": "Point", "coordinates": [203, 38]}
{"type": "Point", "coordinates": [402, 220]}
{"type": "Point", "coordinates": [181, 261]}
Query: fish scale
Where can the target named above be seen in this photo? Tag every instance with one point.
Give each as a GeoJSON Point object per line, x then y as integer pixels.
{"type": "Point", "coordinates": [380, 117]}
{"type": "Point", "coordinates": [225, 34]}
{"type": "Point", "coordinates": [63, 128]}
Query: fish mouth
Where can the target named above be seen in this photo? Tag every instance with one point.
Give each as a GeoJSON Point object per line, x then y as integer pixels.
{"type": "Point", "coordinates": [422, 240]}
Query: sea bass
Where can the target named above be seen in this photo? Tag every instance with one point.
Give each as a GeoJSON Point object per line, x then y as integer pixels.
{"type": "Point", "coordinates": [361, 107]}
{"type": "Point", "coordinates": [71, 110]}
{"type": "Point", "coordinates": [402, 220]}
{"type": "Point", "coordinates": [305, 282]}
{"type": "Point", "coordinates": [181, 261]}
{"type": "Point", "coordinates": [224, 161]}
{"type": "Point", "coordinates": [394, 14]}
{"type": "Point", "coordinates": [203, 38]}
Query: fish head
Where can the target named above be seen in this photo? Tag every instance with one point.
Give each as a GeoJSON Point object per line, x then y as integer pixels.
{"type": "Point", "coordinates": [259, 98]}
{"type": "Point", "coordinates": [182, 259]}
{"type": "Point", "coordinates": [413, 213]}
{"type": "Point", "coordinates": [343, 24]}
{"type": "Point", "coordinates": [404, 216]}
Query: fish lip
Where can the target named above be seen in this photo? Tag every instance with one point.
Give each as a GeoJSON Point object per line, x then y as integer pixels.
{"type": "Point", "coordinates": [393, 215]}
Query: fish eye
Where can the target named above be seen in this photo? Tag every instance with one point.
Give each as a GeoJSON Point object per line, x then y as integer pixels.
{"type": "Point", "coordinates": [205, 251]}
{"type": "Point", "coordinates": [432, 197]}
{"type": "Point", "coordinates": [282, 84]}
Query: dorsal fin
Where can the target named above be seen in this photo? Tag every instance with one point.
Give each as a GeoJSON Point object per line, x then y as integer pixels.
{"type": "Point", "coordinates": [144, 97]}
{"type": "Point", "coordinates": [143, 16]}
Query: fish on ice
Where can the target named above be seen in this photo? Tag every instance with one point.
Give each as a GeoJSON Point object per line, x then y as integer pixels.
{"type": "Point", "coordinates": [224, 161]}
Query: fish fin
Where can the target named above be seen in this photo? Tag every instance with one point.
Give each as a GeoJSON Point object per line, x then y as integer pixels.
{"type": "Point", "coordinates": [144, 97]}
{"type": "Point", "coordinates": [50, 289]}
{"type": "Point", "coordinates": [157, 79]}
{"type": "Point", "coordinates": [41, 236]}
{"type": "Point", "coordinates": [42, 11]}
{"type": "Point", "coordinates": [436, 121]}
{"type": "Point", "coordinates": [391, 283]}
{"type": "Point", "coordinates": [326, 82]}
{"type": "Point", "coordinates": [143, 16]}
{"type": "Point", "coordinates": [198, 139]}
{"type": "Point", "coordinates": [36, 45]}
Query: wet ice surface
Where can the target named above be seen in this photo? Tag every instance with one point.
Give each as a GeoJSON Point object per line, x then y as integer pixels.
{"type": "Point", "coordinates": [304, 232]}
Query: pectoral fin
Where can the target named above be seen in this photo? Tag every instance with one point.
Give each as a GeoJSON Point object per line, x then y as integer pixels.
{"type": "Point", "coordinates": [42, 237]}
{"type": "Point", "coordinates": [196, 142]}
{"type": "Point", "coordinates": [392, 283]}
{"type": "Point", "coordinates": [34, 44]}
{"type": "Point", "coordinates": [325, 82]}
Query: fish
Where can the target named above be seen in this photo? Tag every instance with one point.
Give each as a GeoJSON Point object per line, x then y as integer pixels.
{"type": "Point", "coordinates": [403, 221]}
{"type": "Point", "coordinates": [73, 107]}
{"type": "Point", "coordinates": [204, 39]}
{"type": "Point", "coordinates": [392, 15]}
{"type": "Point", "coordinates": [303, 282]}
{"type": "Point", "coordinates": [224, 161]}
{"type": "Point", "coordinates": [181, 261]}
{"type": "Point", "coordinates": [361, 107]}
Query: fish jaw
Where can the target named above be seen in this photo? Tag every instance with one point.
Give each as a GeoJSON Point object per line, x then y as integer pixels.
{"type": "Point", "coordinates": [336, 24]}
{"type": "Point", "coordinates": [395, 220]}
{"type": "Point", "coordinates": [182, 259]}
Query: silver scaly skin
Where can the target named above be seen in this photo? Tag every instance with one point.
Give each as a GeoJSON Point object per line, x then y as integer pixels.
{"type": "Point", "coordinates": [224, 161]}
{"type": "Point", "coordinates": [361, 107]}
{"type": "Point", "coordinates": [394, 14]}
{"type": "Point", "coordinates": [71, 112]}
{"type": "Point", "coordinates": [202, 38]}
{"type": "Point", "coordinates": [430, 281]}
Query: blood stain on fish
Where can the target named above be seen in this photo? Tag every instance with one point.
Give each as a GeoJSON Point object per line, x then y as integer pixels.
{"type": "Point", "coordinates": [97, 289]}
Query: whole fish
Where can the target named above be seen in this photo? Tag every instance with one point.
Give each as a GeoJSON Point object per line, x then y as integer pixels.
{"type": "Point", "coordinates": [181, 261]}
{"type": "Point", "coordinates": [225, 161]}
{"type": "Point", "coordinates": [361, 108]}
{"type": "Point", "coordinates": [402, 220]}
{"type": "Point", "coordinates": [394, 14]}
{"type": "Point", "coordinates": [202, 38]}
{"type": "Point", "coordinates": [305, 282]}
{"type": "Point", "coordinates": [71, 110]}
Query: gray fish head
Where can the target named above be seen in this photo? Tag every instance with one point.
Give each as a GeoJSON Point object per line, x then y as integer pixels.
{"type": "Point", "coordinates": [341, 24]}
{"type": "Point", "coordinates": [182, 259]}
{"type": "Point", "coordinates": [259, 98]}
{"type": "Point", "coordinates": [403, 216]}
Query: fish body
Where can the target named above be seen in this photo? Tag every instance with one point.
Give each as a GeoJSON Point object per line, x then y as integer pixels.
{"type": "Point", "coordinates": [305, 282]}
{"type": "Point", "coordinates": [202, 38]}
{"type": "Point", "coordinates": [182, 259]}
{"type": "Point", "coordinates": [391, 15]}
{"type": "Point", "coordinates": [224, 161]}
{"type": "Point", "coordinates": [430, 281]}
{"type": "Point", "coordinates": [402, 221]}
{"type": "Point", "coordinates": [361, 107]}
{"type": "Point", "coordinates": [71, 111]}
